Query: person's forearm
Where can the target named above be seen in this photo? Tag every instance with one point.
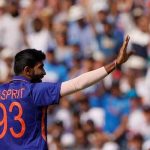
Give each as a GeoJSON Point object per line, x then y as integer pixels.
{"type": "Point", "coordinates": [83, 81]}
{"type": "Point", "coordinates": [87, 79]}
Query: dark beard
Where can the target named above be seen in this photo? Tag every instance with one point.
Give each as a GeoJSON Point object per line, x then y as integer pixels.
{"type": "Point", "coordinates": [15, 14]}
{"type": "Point", "coordinates": [36, 80]}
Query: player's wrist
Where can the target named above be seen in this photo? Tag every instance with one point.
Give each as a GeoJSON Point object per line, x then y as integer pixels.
{"type": "Point", "coordinates": [117, 65]}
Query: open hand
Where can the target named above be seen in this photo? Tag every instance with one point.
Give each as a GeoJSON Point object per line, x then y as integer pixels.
{"type": "Point", "coordinates": [123, 55]}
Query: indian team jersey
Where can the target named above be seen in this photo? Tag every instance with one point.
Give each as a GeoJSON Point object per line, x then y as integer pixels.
{"type": "Point", "coordinates": [23, 108]}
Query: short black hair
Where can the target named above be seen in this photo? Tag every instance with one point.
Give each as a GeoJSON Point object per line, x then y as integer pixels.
{"type": "Point", "coordinates": [27, 57]}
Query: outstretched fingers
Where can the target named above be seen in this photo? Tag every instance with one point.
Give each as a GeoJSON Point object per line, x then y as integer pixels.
{"type": "Point", "coordinates": [125, 44]}
{"type": "Point", "coordinates": [123, 55]}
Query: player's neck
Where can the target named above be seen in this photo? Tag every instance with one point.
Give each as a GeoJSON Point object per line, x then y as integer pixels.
{"type": "Point", "coordinates": [26, 76]}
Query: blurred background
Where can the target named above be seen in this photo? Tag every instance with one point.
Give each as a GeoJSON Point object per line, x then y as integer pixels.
{"type": "Point", "coordinates": [78, 36]}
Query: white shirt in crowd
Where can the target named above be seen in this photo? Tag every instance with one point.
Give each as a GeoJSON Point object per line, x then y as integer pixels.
{"type": "Point", "coordinates": [10, 32]}
{"type": "Point", "coordinates": [39, 40]}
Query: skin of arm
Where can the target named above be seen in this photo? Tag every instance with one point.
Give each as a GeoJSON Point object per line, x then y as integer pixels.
{"type": "Point", "coordinates": [87, 79]}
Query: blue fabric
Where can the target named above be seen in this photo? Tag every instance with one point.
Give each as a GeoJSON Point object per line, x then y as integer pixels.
{"type": "Point", "coordinates": [97, 101]}
{"type": "Point", "coordinates": [115, 108]}
{"type": "Point", "coordinates": [24, 104]}
{"type": "Point", "coordinates": [83, 36]}
{"type": "Point", "coordinates": [110, 44]}
{"type": "Point", "coordinates": [58, 69]}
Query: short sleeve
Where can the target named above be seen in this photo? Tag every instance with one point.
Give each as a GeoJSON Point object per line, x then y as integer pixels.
{"type": "Point", "coordinates": [44, 94]}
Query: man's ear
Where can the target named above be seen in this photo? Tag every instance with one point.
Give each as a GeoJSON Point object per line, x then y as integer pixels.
{"type": "Point", "coordinates": [27, 71]}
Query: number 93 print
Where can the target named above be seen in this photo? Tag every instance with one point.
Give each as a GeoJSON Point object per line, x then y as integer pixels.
{"type": "Point", "coordinates": [17, 118]}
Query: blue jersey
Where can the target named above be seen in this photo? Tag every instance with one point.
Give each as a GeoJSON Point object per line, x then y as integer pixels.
{"type": "Point", "coordinates": [23, 108]}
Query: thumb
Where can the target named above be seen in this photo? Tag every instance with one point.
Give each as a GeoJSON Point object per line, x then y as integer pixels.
{"type": "Point", "coordinates": [130, 53]}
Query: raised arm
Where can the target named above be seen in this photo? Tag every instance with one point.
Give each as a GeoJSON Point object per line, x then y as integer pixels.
{"type": "Point", "coordinates": [87, 79]}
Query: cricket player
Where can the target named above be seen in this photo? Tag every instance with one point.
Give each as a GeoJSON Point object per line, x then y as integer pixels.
{"type": "Point", "coordinates": [24, 100]}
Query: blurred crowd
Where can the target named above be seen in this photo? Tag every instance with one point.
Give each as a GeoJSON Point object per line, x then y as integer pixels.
{"type": "Point", "coordinates": [78, 36]}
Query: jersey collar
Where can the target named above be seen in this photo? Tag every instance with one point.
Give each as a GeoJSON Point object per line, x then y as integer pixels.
{"type": "Point", "coordinates": [20, 78]}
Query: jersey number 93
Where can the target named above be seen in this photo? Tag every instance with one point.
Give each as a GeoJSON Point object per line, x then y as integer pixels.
{"type": "Point", "coordinates": [18, 118]}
